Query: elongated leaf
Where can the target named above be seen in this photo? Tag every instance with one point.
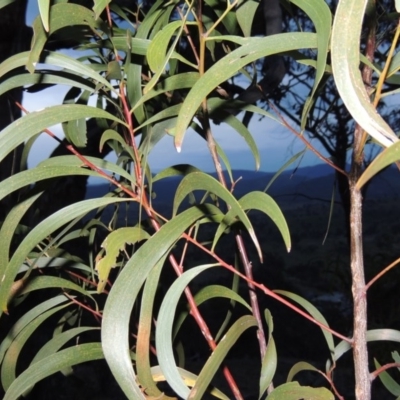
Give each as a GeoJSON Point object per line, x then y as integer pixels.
{"type": "Point", "coordinates": [320, 14]}
{"type": "Point", "coordinates": [158, 47]}
{"type": "Point", "coordinates": [175, 82]}
{"type": "Point", "coordinates": [9, 226]}
{"type": "Point", "coordinates": [47, 78]}
{"type": "Point", "coordinates": [47, 282]}
{"type": "Point", "coordinates": [144, 371]}
{"type": "Point", "coordinates": [175, 170]}
{"type": "Point", "coordinates": [189, 379]}
{"type": "Point", "coordinates": [270, 360]}
{"type": "Point", "coordinates": [40, 232]}
{"type": "Point", "coordinates": [284, 166]}
{"type": "Point", "coordinates": [57, 60]}
{"type": "Point", "coordinates": [262, 202]}
{"type": "Point", "coordinates": [115, 325]}
{"type": "Point", "coordinates": [52, 364]}
{"type": "Point", "coordinates": [293, 391]}
{"type": "Point", "coordinates": [8, 367]}
{"type": "Point", "coordinates": [372, 336]}
{"type": "Point", "coordinates": [208, 293]}
{"type": "Point", "coordinates": [228, 66]}
{"type": "Point", "coordinates": [345, 50]}
{"type": "Point", "coordinates": [387, 157]}
{"type": "Point", "coordinates": [298, 367]}
{"type": "Point", "coordinates": [99, 6]}
{"type": "Point", "coordinates": [240, 128]}
{"type": "Point", "coordinates": [44, 8]}
{"type": "Point", "coordinates": [164, 335]}
{"type": "Point", "coordinates": [202, 181]}
{"type": "Point", "coordinates": [35, 122]}
{"type": "Point", "coordinates": [245, 15]}
{"type": "Point", "coordinates": [218, 355]}
{"type": "Point", "coordinates": [73, 161]}
{"type": "Point", "coordinates": [390, 384]}
{"type": "Point", "coordinates": [29, 177]}
{"type": "Point", "coordinates": [157, 53]}
{"type": "Point", "coordinates": [59, 340]}
{"type": "Point", "coordinates": [61, 16]}
{"type": "Point", "coordinates": [315, 314]}
{"type": "Point", "coordinates": [26, 319]}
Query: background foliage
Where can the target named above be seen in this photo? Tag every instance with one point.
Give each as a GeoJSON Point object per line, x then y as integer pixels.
{"type": "Point", "coordinates": [113, 277]}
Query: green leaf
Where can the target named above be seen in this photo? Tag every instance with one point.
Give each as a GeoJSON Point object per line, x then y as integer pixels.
{"type": "Point", "coordinates": [387, 157]}
{"type": "Point", "coordinates": [144, 371]}
{"type": "Point", "coordinates": [229, 65]}
{"type": "Point", "coordinates": [99, 6]}
{"type": "Point", "coordinates": [245, 15]}
{"type": "Point", "coordinates": [314, 313]}
{"type": "Point", "coordinates": [46, 78]}
{"type": "Point", "coordinates": [61, 15]}
{"type": "Point", "coordinates": [239, 127]}
{"type": "Point", "coordinates": [298, 367]}
{"type": "Point", "coordinates": [44, 8]}
{"type": "Point", "coordinates": [117, 311]}
{"type": "Point", "coordinates": [157, 50]}
{"type": "Point", "coordinates": [189, 379]}
{"type": "Point", "coordinates": [345, 51]}
{"type": "Point", "coordinates": [40, 232]}
{"type": "Point", "coordinates": [218, 356]}
{"type": "Point", "coordinates": [207, 293]}
{"type": "Point", "coordinates": [73, 161]}
{"type": "Point", "coordinates": [202, 181]}
{"type": "Point", "coordinates": [24, 128]}
{"type": "Point", "coordinates": [157, 54]}
{"type": "Point", "coordinates": [390, 384]}
{"type": "Point", "coordinates": [164, 339]}
{"type": "Point", "coordinates": [293, 391]}
{"type": "Point", "coordinates": [372, 336]}
{"type": "Point", "coordinates": [57, 60]}
{"type": "Point", "coordinates": [47, 282]}
{"type": "Point", "coordinates": [175, 82]}
{"type": "Point", "coordinates": [27, 319]}
{"type": "Point", "coordinates": [262, 202]}
{"type": "Point", "coordinates": [320, 14]}
{"type": "Point", "coordinates": [8, 367]}
{"type": "Point", "coordinates": [284, 166]}
{"type": "Point", "coordinates": [76, 132]}
{"type": "Point", "coordinates": [270, 360]}
{"type": "Point", "coordinates": [113, 244]}
{"type": "Point", "coordinates": [52, 364]}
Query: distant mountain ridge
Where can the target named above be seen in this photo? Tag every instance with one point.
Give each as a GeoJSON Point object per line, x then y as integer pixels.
{"type": "Point", "coordinates": [303, 184]}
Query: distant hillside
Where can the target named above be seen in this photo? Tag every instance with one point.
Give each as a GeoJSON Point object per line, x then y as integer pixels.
{"type": "Point", "coordinates": [293, 185]}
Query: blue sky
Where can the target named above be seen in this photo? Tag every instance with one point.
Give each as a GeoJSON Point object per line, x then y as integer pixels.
{"type": "Point", "coordinates": [276, 144]}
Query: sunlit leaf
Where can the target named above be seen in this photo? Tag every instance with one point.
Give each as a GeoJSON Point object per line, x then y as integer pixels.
{"type": "Point", "coordinates": [345, 51]}
{"type": "Point", "coordinates": [44, 8]}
